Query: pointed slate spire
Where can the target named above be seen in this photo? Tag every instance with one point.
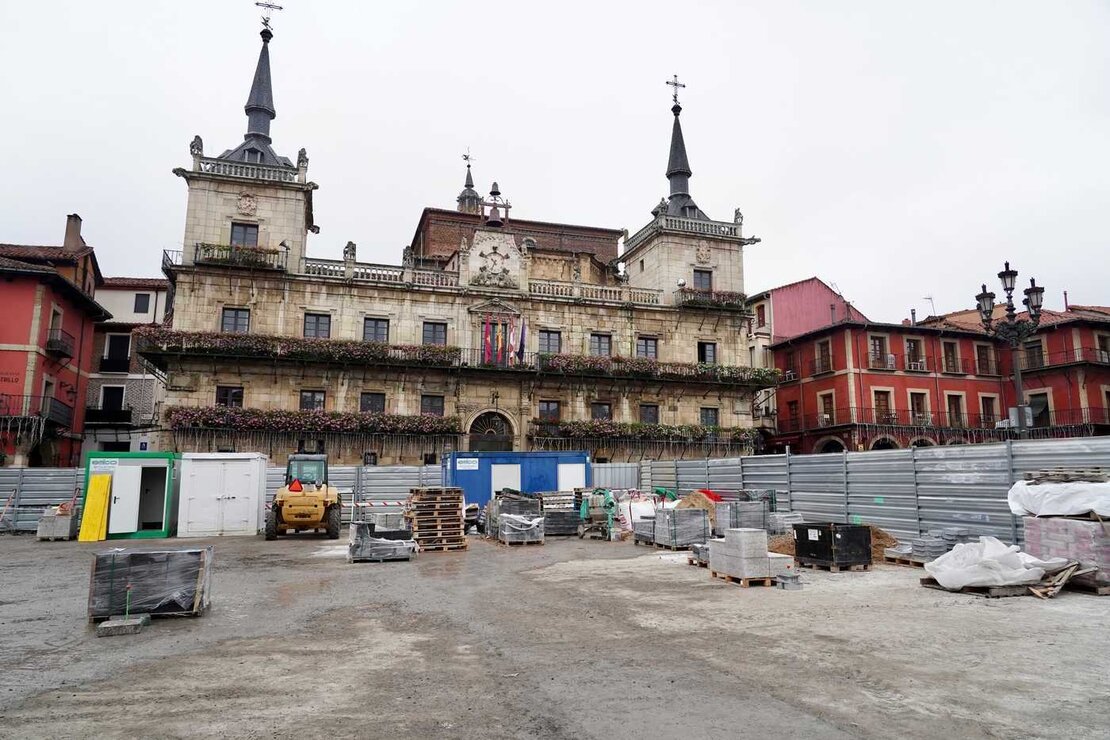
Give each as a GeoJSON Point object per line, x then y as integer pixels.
{"type": "Point", "coordinates": [678, 166]}
{"type": "Point", "coordinates": [469, 201]}
{"type": "Point", "coordinates": [260, 103]}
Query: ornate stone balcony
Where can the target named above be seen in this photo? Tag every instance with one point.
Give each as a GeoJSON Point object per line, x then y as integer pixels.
{"type": "Point", "coordinates": [246, 171]}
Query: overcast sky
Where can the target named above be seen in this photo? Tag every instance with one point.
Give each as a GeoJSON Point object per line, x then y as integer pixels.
{"type": "Point", "coordinates": [895, 149]}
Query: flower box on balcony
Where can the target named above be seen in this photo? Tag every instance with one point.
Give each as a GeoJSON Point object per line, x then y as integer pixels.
{"type": "Point", "coordinates": [606, 429]}
{"type": "Point", "coordinates": [281, 421]}
{"type": "Point", "coordinates": [720, 299]}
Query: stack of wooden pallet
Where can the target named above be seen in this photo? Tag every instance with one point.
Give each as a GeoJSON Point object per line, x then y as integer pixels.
{"type": "Point", "coordinates": [436, 518]}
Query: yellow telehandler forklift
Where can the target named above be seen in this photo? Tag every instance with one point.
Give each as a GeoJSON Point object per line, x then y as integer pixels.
{"type": "Point", "coordinates": [306, 501]}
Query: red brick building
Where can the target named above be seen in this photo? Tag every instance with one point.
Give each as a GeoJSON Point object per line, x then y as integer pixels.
{"type": "Point", "coordinates": [861, 385]}
{"type": "Point", "coordinates": [46, 348]}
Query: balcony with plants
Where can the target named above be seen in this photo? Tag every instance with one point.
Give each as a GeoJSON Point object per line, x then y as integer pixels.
{"type": "Point", "coordinates": [237, 255]}
{"type": "Point", "coordinates": [280, 421]}
{"type": "Point", "coordinates": [158, 344]}
{"type": "Point", "coordinates": [651, 369]}
{"type": "Point", "coordinates": [720, 300]}
{"type": "Point", "coordinates": [604, 429]}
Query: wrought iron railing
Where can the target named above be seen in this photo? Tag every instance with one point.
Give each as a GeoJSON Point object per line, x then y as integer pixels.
{"type": "Point", "coordinates": [60, 343]}
{"type": "Point", "coordinates": [114, 364]}
{"type": "Point", "coordinates": [820, 365]}
{"type": "Point", "coordinates": [240, 256]}
{"type": "Point", "coordinates": [942, 419]}
{"type": "Point", "coordinates": [51, 409]}
{"type": "Point", "coordinates": [719, 300]}
{"type": "Point", "coordinates": [1036, 360]}
{"type": "Point", "coordinates": [101, 415]}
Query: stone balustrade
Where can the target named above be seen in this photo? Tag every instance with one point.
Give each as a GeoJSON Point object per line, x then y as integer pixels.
{"type": "Point", "coordinates": [245, 170]}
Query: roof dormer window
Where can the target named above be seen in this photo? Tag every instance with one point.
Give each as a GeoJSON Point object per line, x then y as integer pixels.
{"type": "Point", "coordinates": [253, 155]}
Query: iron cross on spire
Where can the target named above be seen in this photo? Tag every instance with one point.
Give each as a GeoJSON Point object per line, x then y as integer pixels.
{"type": "Point", "coordinates": [675, 84]}
{"type": "Point", "coordinates": [267, 9]}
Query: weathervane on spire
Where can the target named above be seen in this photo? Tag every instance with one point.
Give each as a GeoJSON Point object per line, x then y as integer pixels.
{"type": "Point", "coordinates": [675, 84]}
{"type": "Point", "coordinates": [468, 157]}
{"type": "Point", "coordinates": [267, 9]}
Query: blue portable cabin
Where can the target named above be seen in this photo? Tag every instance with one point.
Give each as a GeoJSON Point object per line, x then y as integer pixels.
{"type": "Point", "coordinates": [479, 474]}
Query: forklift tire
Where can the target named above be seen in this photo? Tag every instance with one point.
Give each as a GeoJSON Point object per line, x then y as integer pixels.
{"type": "Point", "coordinates": [335, 518]}
{"type": "Point", "coordinates": [271, 525]}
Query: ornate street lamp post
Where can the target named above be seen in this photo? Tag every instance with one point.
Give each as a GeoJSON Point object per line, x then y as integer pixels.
{"type": "Point", "coordinates": [1011, 329]}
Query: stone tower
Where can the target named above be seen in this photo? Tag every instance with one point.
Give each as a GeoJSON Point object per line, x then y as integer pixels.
{"type": "Point", "coordinates": [249, 206]}
{"type": "Point", "coordinates": [682, 251]}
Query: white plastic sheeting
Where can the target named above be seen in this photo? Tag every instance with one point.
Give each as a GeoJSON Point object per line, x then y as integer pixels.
{"type": "Point", "coordinates": [989, 562]}
{"type": "Point", "coordinates": [1059, 499]}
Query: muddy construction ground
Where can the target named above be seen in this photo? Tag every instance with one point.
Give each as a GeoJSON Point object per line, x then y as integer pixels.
{"type": "Point", "coordinates": [566, 640]}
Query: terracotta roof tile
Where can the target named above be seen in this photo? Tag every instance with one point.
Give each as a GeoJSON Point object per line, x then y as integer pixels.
{"type": "Point", "coordinates": [35, 252]}
{"type": "Point", "coordinates": [134, 282]}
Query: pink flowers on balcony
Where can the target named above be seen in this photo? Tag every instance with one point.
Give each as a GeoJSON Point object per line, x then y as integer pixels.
{"type": "Point", "coordinates": [276, 420]}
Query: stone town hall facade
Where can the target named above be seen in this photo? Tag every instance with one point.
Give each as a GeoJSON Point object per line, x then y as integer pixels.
{"type": "Point", "coordinates": [492, 333]}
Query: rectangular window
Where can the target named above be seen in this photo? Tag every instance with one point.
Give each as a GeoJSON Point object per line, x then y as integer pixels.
{"type": "Point", "coordinates": [989, 406]}
{"type": "Point", "coordinates": [601, 345]}
{"type": "Point", "coordinates": [1034, 354]}
{"type": "Point", "coordinates": [229, 395]}
{"type": "Point", "coordinates": [883, 412]}
{"type": "Point", "coordinates": [914, 353]}
{"type": "Point", "coordinates": [118, 346]}
{"type": "Point", "coordinates": [761, 315]}
{"type": "Point", "coordinates": [919, 408]}
{"type": "Point", "coordinates": [951, 357]}
{"type": "Point", "coordinates": [647, 347]}
{"type": "Point", "coordinates": [375, 330]}
{"type": "Point", "coordinates": [955, 411]}
{"type": "Point", "coordinates": [707, 352]}
{"type": "Point", "coordinates": [649, 413]}
{"type": "Point", "coordinates": [317, 325]}
{"type": "Point", "coordinates": [788, 363]}
{"type": "Point", "coordinates": [142, 302]}
{"type": "Point", "coordinates": [549, 411]}
{"type": "Point", "coordinates": [710, 417]}
{"type": "Point", "coordinates": [111, 397]}
{"type": "Point", "coordinates": [235, 321]}
{"type": "Point", "coordinates": [880, 357]}
{"type": "Point", "coordinates": [984, 360]}
{"type": "Point", "coordinates": [601, 411]}
{"type": "Point", "coordinates": [312, 400]}
{"type": "Point", "coordinates": [792, 409]}
{"type": "Point", "coordinates": [435, 332]}
{"type": "Point", "coordinates": [827, 417]}
{"type": "Point", "coordinates": [431, 405]}
{"type": "Point", "coordinates": [703, 280]}
{"type": "Point", "coordinates": [1038, 404]}
{"type": "Point", "coordinates": [824, 357]}
{"type": "Point", "coordinates": [244, 235]}
{"type": "Point", "coordinates": [371, 403]}
{"type": "Point", "coordinates": [551, 342]}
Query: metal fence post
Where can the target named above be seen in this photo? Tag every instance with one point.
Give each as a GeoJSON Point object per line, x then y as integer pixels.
{"type": "Point", "coordinates": [1010, 476]}
{"type": "Point", "coordinates": [740, 460]}
{"type": "Point", "coordinates": [846, 511]}
{"type": "Point", "coordinates": [789, 488]}
{"type": "Point", "coordinates": [916, 493]}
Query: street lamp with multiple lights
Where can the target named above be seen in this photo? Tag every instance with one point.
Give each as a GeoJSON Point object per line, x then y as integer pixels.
{"type": "Point", "coordinates": [1011, 329]}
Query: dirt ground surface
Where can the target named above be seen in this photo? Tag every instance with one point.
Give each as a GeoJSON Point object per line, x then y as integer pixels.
{"type": "Point", "coordinates": [570, 639]}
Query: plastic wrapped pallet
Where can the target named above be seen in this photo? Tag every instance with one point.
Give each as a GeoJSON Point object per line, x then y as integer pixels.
{"type": "Point", "coordinates": [1083, 540]}
{"type": "Point", "coordinates": [561, 523]}
{"type": "Point", "coordinates": [161, 582]}
{"type": "Point", "coordinates": [643, 530]}
{"type": "Point", "coordinates": [681, 527]}
{"type": "Point", "coordinates": [387, 520]}
{"type": "Point", "coordinates": [513, 528]}
{"type": "Point", "coordinates": [367, 543]}
{"type": "Point", "coordinates": [742, 553]}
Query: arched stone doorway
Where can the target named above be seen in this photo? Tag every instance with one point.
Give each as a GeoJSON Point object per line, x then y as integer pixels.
{"type": "Point", "coordinates": [491, 432]}
{"type": "Point", "coordinates": [829, 445]}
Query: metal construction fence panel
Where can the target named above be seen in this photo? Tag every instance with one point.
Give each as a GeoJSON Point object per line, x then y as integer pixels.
{"type": "Point", "coordinates": [616, 475]}
{"type": "Point", "coordinates": [906, 492]}
{"type": "Point", "coordinates": [881, 490]}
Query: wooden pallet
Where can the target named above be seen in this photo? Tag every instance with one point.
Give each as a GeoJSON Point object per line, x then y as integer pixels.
{"type": "Point", "coordinates": [744, 582]}
{"type": "Point", "coordinates": [675, 548]}
{"type": "Point", "coordinates": [443, 548]}
{"type": "Point", "coordinates": [639, 541]}
{"type": "Point", "coordinates": [832, 568]}
{"type": "Point", "coordinates": [989, 592]}
{"type": "Point", "coordinates": [528, 542]}
{"type": "Point", "coordinates": [1088, 589]}
{"type": "Point", "coordinates": [697, 563]}
{"type": "Point", "coordinates": [904, 561]}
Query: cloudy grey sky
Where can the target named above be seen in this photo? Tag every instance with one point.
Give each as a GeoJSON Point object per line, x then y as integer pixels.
{"type": "Point", "coordinates": [896, 149]}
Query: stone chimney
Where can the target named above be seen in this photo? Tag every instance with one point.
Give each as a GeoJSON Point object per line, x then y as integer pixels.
{"type": "Point", "coordinates": [73, 241]}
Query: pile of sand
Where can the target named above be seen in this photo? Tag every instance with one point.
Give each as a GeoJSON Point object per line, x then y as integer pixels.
{"type": "Point", "coordinates": [698, 500]}
{"type": "Point", "coordinates": [880, 540]}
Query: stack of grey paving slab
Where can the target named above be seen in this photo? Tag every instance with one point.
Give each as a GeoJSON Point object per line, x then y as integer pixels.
{"type": "Point", "coordinates": [681, 527]}
{"type": "Point", "coordinates": [700, 552]}
{"type": "Point", "coordinates": [742, 553]}
{"type": "Point", "coordinates": [643, 530]}
{"type": "Point", "coordinates": [740, 515]}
